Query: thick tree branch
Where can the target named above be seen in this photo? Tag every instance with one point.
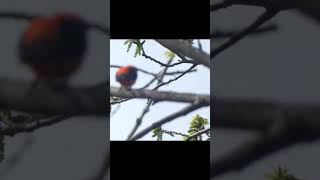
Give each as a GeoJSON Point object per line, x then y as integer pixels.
{"type": "Point", "coordinates": [259, 115]}
{"type": "Point", "coordinates": [159, 95]}
{"type": "Point", "coordinates": [281, 125]}
{"type": "Point", "coordinates": [45, 100]}
{"type": "Point", "coordinates": [268, 4]}
{"type": "Point", "coordinates": [245, 114]}
{"type": "Point", "coordinates": [309, 7]}
{"type": "Point", "coordinates": [183, 47]}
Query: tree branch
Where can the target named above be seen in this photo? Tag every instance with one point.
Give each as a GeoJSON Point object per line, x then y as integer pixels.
{"type": "Point", "coordinates": [28, 17]}
{"type": "Point", "coordinates": [268, 4]}
{"type": "Point", "coordinates": [237, 37]}
{"type": "Point", "coordinates": [11, 131]}
{"type": "Point", "coordinates": [198, 134]}
{"type": "Point", "coordinates": [281, 125]}
{"type": "Point", "coordinates": [159, 95]}
{"type": "Point", "coordinates": [184, 111]}
{"type": "Point", "coordinates": [246, 114]}
{"type": "Point", "coordinates": [45, 100]}
{"type": "Point", "coordinates": [149, 103]}
{"type": "Point", "coordinates": [227, 34]}
{"type": "Point", "coordinates": [182, 47]}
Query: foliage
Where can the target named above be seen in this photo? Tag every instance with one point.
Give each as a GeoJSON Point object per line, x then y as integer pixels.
{"type": "Point", "coordinates": [138, 43]}
{"type": "Point", "coordinates": [280, 174]}
{"type": "Point", "coordinates": [10, 120]}
{"type": "Point", "coordinates": [158, 133]}
{"type": "Point", "coordinates": [169, 55]}
{"type": "Point", "coordinates": [197, 124]}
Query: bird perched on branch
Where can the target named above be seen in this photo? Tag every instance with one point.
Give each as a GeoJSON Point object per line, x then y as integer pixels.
{"type": "Point", "coordinates": [127, 76]}
{"type": "Point", "coordinates": [54, 46]}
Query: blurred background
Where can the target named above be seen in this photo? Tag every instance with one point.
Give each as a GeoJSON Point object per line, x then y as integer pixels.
{"type": "Point", "coordinates": [123, 121]}
{"type": "Point", "coordinates": [281, 66]}
{"type": "Point", "coordinates": [73, 149]}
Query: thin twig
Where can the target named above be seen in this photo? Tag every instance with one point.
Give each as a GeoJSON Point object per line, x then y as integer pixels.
{"type": "Point", "coordinates": [172, 132]}
{"type": "Point", "coordinates": [174, 79]}
{"type": "Point", "coordinates": [217, 34]}
{"type": "Point", "coordinates": [16, 15]}
{"type": "Point", "coordinates": [164, 64]}
{"type": "Point", "coordinates": [237, 37]}
{"type": "Point", "coordinates": [167, 119]}
{"type": "Point", "coordinates": [146, 109]}
{"type": "Point", "coordinates": [26, 16]}
{"type": "Point", "coordinates": [11, 131]}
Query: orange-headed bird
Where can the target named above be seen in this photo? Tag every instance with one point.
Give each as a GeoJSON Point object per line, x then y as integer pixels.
{"type": "Point", "coordinates": [54, 46]}
{"type": "Point", "coordinates": [127, 76]}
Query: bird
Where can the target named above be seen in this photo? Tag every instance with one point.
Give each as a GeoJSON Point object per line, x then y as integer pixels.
{"type": "Point", "coordinates": [127, 76]}
{"type": "Point", "coordinates": [54, 46]}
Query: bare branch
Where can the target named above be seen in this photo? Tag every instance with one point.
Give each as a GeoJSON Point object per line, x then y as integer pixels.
{"type": "Point", "coordinates": [155, 74]}
{"type": "Point", "coordinates": [17, 16]}
{"type": "Point", "coordinates": [196, 105]}
{"type": "Point", "coordinates": [182, 47]}
{"type": "Point", "coordinates": [165, 64]}
{"type": "Point", "coordinates": [26, 16]}
{"type": "Point", "coordinates": [309, 8]}
{"type": "Point", "coordinates": [281, 125]}
{"type": "Point", "coordinates": [269, 4]}
{"type": "Point", "coordinates": [217, 34]}
{"type": "Point", "coordinates": [146, 109]}
{"type": "Point", "coordinates": [159, 95]}
{"type": "Point", "coordinates": [174, 79]}
{"type": "Point", "coordinates": [280, 136]}
{"type": "Point", "coordinates": [45, 100]}
{"type": "Point", "coordinates": [237, 37]}
{"type": "Point", "coordinates": [246, 114]}
{"type": "Point", "coordinates": [11, 131]}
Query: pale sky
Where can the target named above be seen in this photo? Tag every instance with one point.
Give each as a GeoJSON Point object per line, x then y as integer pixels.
{"type": "Point", "coordinates": [123, 121]}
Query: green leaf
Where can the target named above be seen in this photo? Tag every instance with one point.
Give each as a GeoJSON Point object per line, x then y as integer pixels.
{"type": "Point", "coordinates": [129, 42]}
{"type": "Point", "coordinates": [280, 174]}
{"type": "Point", "coordinates": [197, 124]}
{"type": "Point", "coordinates": [158, 133]}
{"type": "Point", "coordinates": [169, 55]}
{"type": "Point", "coordinates": [139, 46]}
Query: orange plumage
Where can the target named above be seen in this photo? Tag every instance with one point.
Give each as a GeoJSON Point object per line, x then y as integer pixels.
{"type": "Point", "coordinates": [54, 46]}
{"type": "Point", "coordinates": [127, 76]}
